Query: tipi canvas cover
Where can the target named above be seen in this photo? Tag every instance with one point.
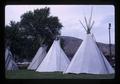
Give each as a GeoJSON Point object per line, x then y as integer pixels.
{"type": "Point", "coordinates": [55, 60]}
{"type": "Point", "coordinates": [9, 62]}
{"type": "Point", "coordinates": [38, 58]}
{"type": "Point", "coordinates": [89, 59]}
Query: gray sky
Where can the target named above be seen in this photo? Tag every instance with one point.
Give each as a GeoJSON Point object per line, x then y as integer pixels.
{"type": "Point", "coordinates": [69, 16]}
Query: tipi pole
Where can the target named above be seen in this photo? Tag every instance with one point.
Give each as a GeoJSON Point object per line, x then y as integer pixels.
{"type": "Point", "coordinates": [109, 39]}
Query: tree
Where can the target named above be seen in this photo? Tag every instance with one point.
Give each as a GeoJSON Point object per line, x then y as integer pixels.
{"type": "Point", "coordinates": [34, 29]}
{"type": "Point", "coordinates": [40, 25]}
{"type": "Point", "coordinates": [12, 37]}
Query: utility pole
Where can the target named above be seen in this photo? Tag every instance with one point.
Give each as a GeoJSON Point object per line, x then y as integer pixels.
{"type": "Point", "coordinates": [109, 39]}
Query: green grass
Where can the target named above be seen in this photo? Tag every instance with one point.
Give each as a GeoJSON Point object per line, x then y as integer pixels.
{"type": "Point", "coordinates": [27, 74]}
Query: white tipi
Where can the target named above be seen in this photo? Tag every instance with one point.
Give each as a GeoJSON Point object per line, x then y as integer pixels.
{"type": "Point", "coordinates": [55, 60]}
{"type": "Point", "coordinates": [9, 61]}
{"type": "Point", "coordinates": [88, 58]}
{"type": "Point", "coordinates": [41, 53]}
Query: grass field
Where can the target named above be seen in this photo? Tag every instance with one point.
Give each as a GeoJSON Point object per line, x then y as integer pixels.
{"type": "Point", "coordinates": [27, 74]}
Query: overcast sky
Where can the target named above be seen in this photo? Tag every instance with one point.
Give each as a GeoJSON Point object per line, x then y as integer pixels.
{"type": "Point", "coordinates": [69, 16]}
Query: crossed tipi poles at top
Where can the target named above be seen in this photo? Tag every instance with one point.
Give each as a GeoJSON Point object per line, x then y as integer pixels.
{"type": "Point", "coordinates": [89, 23]}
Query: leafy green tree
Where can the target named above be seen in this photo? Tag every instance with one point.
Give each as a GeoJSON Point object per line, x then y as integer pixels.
{"type": "Point", "coordinates": [12, 37]}
{"type": "Point", "coordinates": [42, 27]}
{"type": "Point", "coordinates": [34, 29]}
